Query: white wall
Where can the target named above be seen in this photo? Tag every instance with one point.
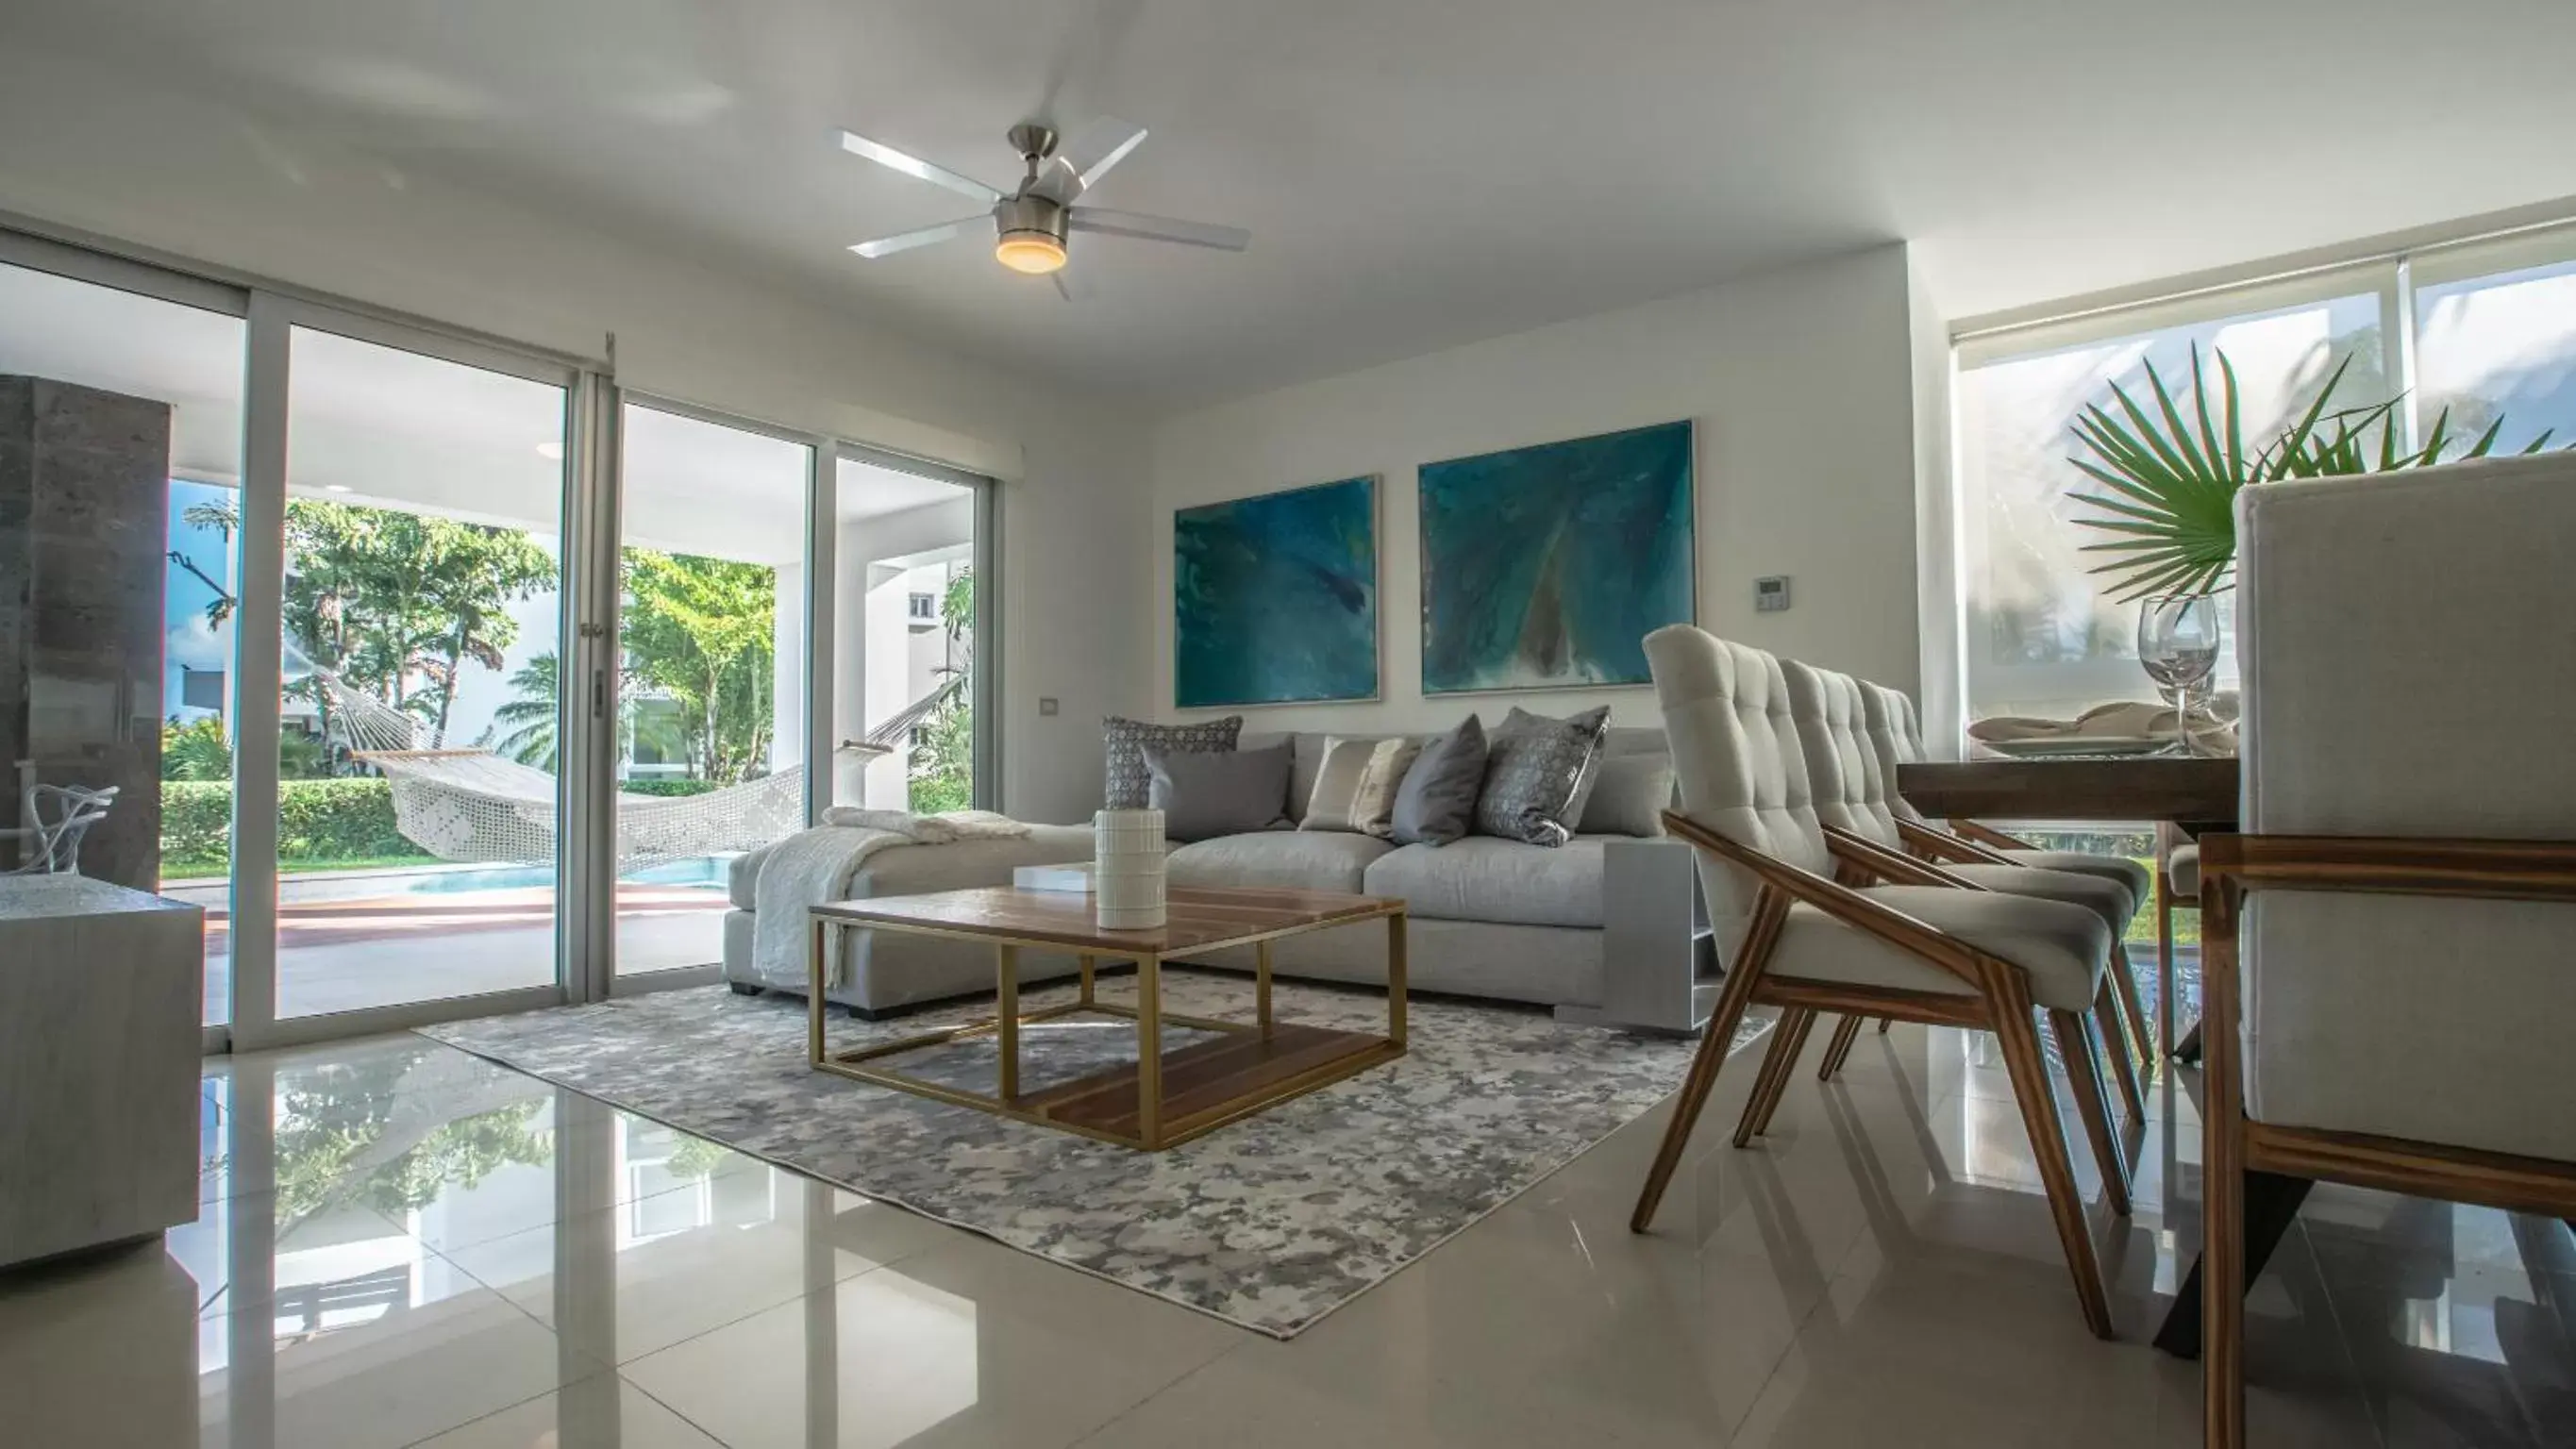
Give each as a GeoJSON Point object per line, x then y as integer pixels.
{"type": "Point", "coordinates": [1802, 387]}
{"type": "Point", "coordinates": [84, 148]}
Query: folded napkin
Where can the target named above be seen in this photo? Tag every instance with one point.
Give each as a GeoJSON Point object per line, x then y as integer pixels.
{"type": "Point", "coordinates": [928, 829]}
{"type": "Point", "coordinates": [2128, 719]}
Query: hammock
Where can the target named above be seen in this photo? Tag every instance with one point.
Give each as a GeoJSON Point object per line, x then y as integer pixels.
{"type": "Point", "coordinates": [475, 805]}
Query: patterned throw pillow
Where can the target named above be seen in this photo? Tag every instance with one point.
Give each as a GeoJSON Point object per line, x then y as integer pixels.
{"type": "Point", "coordinates": [1129, 783]}
{"type": "Point", "coordinates": [1373, 807]}
{"type": "Point", "coordinates": [1535, 771]}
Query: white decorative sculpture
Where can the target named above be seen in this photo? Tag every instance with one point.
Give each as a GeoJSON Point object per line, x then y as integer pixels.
{"type": "Point", "coordinates": [1127, 869]}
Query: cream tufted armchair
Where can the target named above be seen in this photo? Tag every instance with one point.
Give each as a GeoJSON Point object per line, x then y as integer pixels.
{"type": "Point", "coordinates": [1790, 935]}
{"type": "Point", "coordinates": [2387, 947]}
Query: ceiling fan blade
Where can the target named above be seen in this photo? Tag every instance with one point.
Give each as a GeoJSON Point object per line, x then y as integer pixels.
{"type": "Point", "coordinates": [1081, 163]}
{"type": "Point", "coordinates": [1157, 228]}
{"type": "Point", "coordinates": [910, 165]}
{"type": "Point", "coordinates": [886, 246]}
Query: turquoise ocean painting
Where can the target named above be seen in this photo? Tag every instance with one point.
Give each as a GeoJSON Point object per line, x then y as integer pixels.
{"type": "Point", "coordinates": [1274, 599]}
{"type": "Point", "coordinates": [1546, 567]}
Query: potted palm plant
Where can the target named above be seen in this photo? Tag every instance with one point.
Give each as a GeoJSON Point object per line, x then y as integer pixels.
{"type": "Point", "coordinates": [2171, 477]}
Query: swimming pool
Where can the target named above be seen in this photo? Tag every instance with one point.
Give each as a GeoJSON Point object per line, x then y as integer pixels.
{"type": "Point", "coordinates": [707, 871]}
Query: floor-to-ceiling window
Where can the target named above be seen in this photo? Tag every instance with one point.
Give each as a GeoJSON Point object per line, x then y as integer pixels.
{"type": "Point", "coordinates": [517, 712]}
{"type": "Point", "coordinates": [181, 362]}
{"type": "Point", "coordinates": [714, 664]}
{"type": "Point", "coordinates": [2487, 328]}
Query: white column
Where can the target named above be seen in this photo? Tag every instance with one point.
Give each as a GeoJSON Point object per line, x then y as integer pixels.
{"type": "Point", "coordinates": [850, 661]}
{"type": "Point", "coordinates": [888, 671]}
{"type": "Point", "coordinates": [787, 670]}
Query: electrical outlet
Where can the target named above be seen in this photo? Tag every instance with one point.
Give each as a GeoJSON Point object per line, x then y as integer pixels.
{"type": "Point", "coordinates": [1771, 595]}
{"type": "Point", "coordinates": [1046, 704]}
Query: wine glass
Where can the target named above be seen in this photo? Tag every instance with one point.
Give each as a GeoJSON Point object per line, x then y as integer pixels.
{"type": "Point", "coordinates": [2178, 647]}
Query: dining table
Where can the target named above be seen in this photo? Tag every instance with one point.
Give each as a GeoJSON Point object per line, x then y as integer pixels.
{"type": "Point", "coordinates": [2196, 794]}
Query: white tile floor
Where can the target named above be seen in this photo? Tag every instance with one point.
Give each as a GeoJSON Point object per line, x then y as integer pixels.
{"type": "Point", "coordinates": [404, 1245]}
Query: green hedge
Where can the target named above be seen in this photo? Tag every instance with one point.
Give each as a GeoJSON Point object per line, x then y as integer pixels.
{"type": "Point", "coordinates": [666, 787]}
{"type": "Point", "coordinates": [317, 821]}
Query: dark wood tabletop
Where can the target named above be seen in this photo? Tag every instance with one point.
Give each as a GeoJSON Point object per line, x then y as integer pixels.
{"type": "Point", "coordinates": [2194, 792]}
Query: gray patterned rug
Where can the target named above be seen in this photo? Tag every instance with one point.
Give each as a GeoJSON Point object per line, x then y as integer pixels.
{"type": "Point", "coordinates": [1269, 1223]}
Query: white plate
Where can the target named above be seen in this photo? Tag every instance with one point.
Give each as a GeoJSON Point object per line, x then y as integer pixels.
{"type": "Point", "coordinates": [2105, 745]}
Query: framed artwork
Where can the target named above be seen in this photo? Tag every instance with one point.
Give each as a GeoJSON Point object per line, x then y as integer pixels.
{"type": "Point", "coordinates": [1546, 567]}
{"type": "Point", "coordinates": [1274, 598]}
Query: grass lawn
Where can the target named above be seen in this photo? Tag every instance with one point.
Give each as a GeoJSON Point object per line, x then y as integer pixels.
{"type": "Point", "coordinates": [175, 871]}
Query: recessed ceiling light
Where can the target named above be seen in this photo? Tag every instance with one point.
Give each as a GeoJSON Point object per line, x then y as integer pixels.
{"type": "Point", "coordinates": [335, 487]}
{"type": "Point", "coordinates": [551, 452]}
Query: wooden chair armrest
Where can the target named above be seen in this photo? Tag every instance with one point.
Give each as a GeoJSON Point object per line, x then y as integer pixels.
{"type": "Point", "coordinates": [2541, 870]}
{"type": "Point", "coordinates": [1892, 866]}
{"type": "Point", "coordinates": [1941, 845]}
{"type": "Point", "coordinates": [1841, 902]}
{"type": "Point", "coordinates": [1987, 835]}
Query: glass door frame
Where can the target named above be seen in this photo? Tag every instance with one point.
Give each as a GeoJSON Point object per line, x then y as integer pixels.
{"type": "Point", "coordinates": [605, 660]}
{"type": "Point", "coordinates": [259, 666]}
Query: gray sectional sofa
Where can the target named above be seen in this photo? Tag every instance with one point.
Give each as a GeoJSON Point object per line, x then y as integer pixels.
{"type": "Point", "coordinates": [1606, 929]}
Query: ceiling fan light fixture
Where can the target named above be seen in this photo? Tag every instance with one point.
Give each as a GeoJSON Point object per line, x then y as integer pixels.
{"type": "Point", "coordinates": [1033, 252]}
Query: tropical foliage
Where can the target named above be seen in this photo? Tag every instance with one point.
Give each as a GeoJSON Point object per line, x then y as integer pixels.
{"type": "Point", "coordinates": [942, 766]}
{"type": "Point", "coordinates": [2172, 476]}
{"type": "Point", "coordinates": [701, 632]}
{"type": "Point", "coordinates": [396, 603]}
{"type": "Point", "coordinates": [198, 750]}
{"type": "Point", "coordinates": [320, 823]}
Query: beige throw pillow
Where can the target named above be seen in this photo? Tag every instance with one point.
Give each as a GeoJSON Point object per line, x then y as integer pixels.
{"type": "Point", "coordinates": [1329, 806]}
{"type": "Point", "coordinates": [1373, 808]}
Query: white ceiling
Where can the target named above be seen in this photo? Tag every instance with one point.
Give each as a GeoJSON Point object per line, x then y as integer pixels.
{"type": "Point", "coordinates": [1417, 173]}
{"type": "Point", "coordinates": [380, 426]}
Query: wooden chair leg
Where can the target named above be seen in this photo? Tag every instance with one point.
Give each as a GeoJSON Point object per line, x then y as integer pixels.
{"type": "Point", "coordinates": [1770, 908]}
{"type": "Point", "coordinates": [2222, 1222]}
{"type": "Point", "coordinates": [2124, 1062]}
{"type": "Point", "coordinates": [1788, 1042]}
{"type": "Point", "coordinates": [2125, 981]}
{"type": "Point", "coordinates": [2074, 1031]}
{"type": "Point", "coordinates": [1845, 1033]}
{"type": "Point", "coordinates": [2008, 992]}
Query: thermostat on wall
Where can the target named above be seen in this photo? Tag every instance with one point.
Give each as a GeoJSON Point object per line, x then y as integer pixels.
{"type": "Point", "coordinates": [1771, 595]}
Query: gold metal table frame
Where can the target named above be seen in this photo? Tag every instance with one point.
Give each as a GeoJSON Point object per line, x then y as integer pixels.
{"type": "Point", "coordinates": [1154, 1103]}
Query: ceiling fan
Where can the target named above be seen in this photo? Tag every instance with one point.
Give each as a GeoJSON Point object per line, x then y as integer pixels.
{"type": "Point", "coordinates": [1031, 225]}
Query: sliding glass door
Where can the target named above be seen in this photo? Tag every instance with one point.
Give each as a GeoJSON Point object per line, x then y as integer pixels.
{"type": "Point", "coordinates": [908, 600]}
{"type": "Point", "coordinates": [713, 666]}
{"type": "Point", "coordinates": [421, 647]}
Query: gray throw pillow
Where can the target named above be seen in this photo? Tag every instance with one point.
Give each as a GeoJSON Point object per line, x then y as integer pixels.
{"type": "Point", "coordinates": [1630, 794]}
{"type": "Point", "coordinates": [1126, 738]}
{"type": "Point", "coordinates": [1535, 773]}
{"type": "Point", "coordinates": [1437, 801]}
{"type": "Point", "coordinates": [1205, 794]}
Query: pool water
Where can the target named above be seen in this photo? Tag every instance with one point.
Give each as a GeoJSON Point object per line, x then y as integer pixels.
{"type": "Point", "coordinates": [707, 871]}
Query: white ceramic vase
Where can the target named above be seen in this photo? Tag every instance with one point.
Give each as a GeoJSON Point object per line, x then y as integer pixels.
{"type": "Point", "coordinates": [1127, 869]}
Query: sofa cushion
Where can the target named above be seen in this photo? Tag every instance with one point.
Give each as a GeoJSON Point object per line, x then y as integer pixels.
{"type": "Point", "coordinates": [1204, 794]}
{"type": "Point", "coordinates": [1437, 801]}
{"type": "Point", "coordinates": [1630, 794]}
{"type": "Point", "coordinates": [1486, 878]}
{"type": "Point", "coordinates": [742, 873]}
{"type": "Point", "coordinates": [1315, 860]}
{"type": "Point", "coordinates": [1537, 771]}
{"type": "Point", "coordinates": [1128, 783]}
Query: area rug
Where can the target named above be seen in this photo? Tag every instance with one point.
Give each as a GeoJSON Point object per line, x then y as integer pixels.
{"type": "Point", "coordinates": [1269, 1223]}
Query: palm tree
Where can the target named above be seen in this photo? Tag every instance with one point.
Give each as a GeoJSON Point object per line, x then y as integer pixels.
{"type": "Point", "coordinates": [524, 728]}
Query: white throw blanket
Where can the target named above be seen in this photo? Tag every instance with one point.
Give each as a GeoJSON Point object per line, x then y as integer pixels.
{"type": "Point", "coordinates": [929, 829]}
{"type": "Point", "coordinates": [814, 866]}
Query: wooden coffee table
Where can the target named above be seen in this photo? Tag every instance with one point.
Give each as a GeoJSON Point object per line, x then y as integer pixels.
{"type": "Point", "coordinates": [1157, 1101]}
